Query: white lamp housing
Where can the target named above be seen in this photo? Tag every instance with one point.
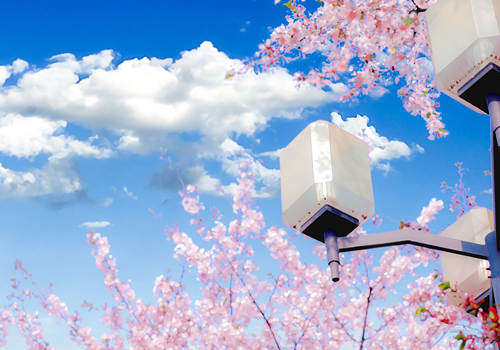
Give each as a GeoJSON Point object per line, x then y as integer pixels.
{"type": "Point", "coordinates": [465, 41]}
{"type": "Point", "coordinates": [464, 273]}
{"type": "Point", "coordinates": [325, 181]}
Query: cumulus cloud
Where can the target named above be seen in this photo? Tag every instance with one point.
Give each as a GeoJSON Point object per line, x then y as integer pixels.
{"type": "Point", "coordinates": [382, 150]}
{"type": "Point", "coordinates": [30, 136]}
{"type": "Point", "coordinates": [230, 156]}
{"type": "Point", "coordinates": [27, 137]}
{"type": "Point", "coordinates": [87, 64]}
{"type": "Point", "coordinates": [487, 191]}
{"type": "Point", "coordinates": [145, 103]}
{"type": "Point", "coordinates": [95, 224]}
{"type": "Point", "coordinates": [106, 202]}
{"type": "Point", "coordinates": [233, 155]}
{"type": "Point", "coordinates": [130, 193]}
{"type": "Point", "coordinates": [59, 176]}
{"type": "Point", "coordinates": [176, 178]}
{"type": "Point", "coordinates": [7, 71]}
{"type": "Point", "coordinates": [378, 91]}
{"type": "Point", "coordinates": [148, 94]}
{"type": "Point", "coordinates": [271, 154]}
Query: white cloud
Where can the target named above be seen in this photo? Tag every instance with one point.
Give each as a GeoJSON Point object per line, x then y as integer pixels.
{"type": "Point", "coordinates": [59, 176]}
{"type": "Point", "coordinates": [95, 224]}
{"type": "Point", "coordinates": [16, 67]}
{"type": "Point", "coordinates": [419, 149]}
{"type": "Point", "coordinates": [378, 91]}
{"type": "Point", "coordinates": [488, 191]}
{"type": "Point", "coordinates": [87, 64]}
{"type": "Point", "coordinates": [205, 182]}
{"type": "Point", "coordinates": [4, 74]}
{"type": "Point", "coordinates": [106, 202]}
{"type": "Point", "coordinates": [146, 102]}
{"type": "Point", "coordinates": [130, 193]}
{"type": "Point", "coordinates": [175, 179]}
{"type": "Point", "coordinates": [190, 94]}
{"type": "Point", "coordinates": [30, 136]}
{"type": "Point", "coordinates": [229, 147]}
{"type": "Point", "coordinates": [230, 155]}
{"type": "Point", "coordinates": [268, 179]}
{"type": "Point", "coordinates": [382, 150]}
{"type": "Point", "coordinates": [271, 154]}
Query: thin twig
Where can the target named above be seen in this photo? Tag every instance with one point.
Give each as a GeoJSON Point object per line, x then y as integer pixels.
{"type": "Point", "coordinates": [343, 327]}
{"type": "Point", "coordinates": [231, 295]}
{"type": "Point", "coordinates": [261, 312]}
{"type": "Point", "coordinates": [275, 287]}
{"type": "Point", "coordinates": [368, 300]}
{"type": "Point", "coordinates": [417, 8]}
{"type": "Point", "coordinates": [307, 322]}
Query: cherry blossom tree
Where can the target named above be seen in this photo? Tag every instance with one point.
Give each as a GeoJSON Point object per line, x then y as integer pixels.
{"type": "Point", "coordinates": [242, 307]}
{"type": "Point", "coordinates": [364, 44]}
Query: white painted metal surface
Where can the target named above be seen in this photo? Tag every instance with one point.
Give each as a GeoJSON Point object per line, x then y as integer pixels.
{"type": "Point", "coordinates": [467, 274]}
{"type": "Point", "coordinates": [325, 165]}
{"type": "Point", "coordinates": [465, 38]}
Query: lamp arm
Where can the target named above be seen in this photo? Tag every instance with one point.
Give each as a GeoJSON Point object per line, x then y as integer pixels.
{"type": "Point", "coordinates": [418, 238]}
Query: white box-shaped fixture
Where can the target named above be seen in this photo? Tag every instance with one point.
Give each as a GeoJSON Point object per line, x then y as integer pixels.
{"type": "Point", "coordinates": [464, 273]}
{"type": "Point", "coordinates": [325, 180]}
{"type": "Point", "coordinates": [465, 41]}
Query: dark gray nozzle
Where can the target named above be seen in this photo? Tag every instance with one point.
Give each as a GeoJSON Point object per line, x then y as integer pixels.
{"type": "Point", "coordinates": [332, 253]}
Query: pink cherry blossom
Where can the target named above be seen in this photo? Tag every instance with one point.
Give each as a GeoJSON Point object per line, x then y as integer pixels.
{"type": "Point", "coordinates": [365, 44]}
{"type": "Point", "coordinates": [245, 304]}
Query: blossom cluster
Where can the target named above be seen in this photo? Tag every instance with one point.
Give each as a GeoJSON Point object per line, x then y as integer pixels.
{"type": "Point", "coordinates": [241, 307]}
{"type": "Point", "coordinates": [367, 43]}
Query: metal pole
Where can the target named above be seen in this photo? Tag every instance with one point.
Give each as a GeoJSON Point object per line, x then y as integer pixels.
{"type": "Point", "coordinates": [494, 258]}
{"type": "Point", "coordinates": [494, 112]}
{"type": "Point", "coordinates": [332, 253]}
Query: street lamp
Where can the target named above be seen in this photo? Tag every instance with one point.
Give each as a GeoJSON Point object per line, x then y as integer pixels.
{"type": "Point", "coordinates": [326, 187]}
{"type": "Point", "coordinates": [465, 273]}
{"type": "Point", "coordinates": [326, 184]}
{"type": "Point", "coordinates": [326, 192]}
{"type": "Point", "coordinates": [465, 41]}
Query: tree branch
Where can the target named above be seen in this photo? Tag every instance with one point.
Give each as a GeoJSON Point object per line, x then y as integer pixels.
{"type": "Point", "coordinates": [417, 8]}
{"type": "Point", "coordinates": [231, 295]}
{"type": "Point", "coordinates": [368, 300]}
{"type": "Point", "coordinates": [307, 321]}
{"type": "Point", "coordinates": [343, 327]}
{"type": "Point", "coordinates": [265, 319]}
{"type": "Point", "coordinates": [275, 287]}
{"type": "Point", "coordinates": [261, 312]}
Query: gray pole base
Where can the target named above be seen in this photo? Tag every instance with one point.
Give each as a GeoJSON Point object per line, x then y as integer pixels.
{"type": "Point", "coordinates": [332, 253]}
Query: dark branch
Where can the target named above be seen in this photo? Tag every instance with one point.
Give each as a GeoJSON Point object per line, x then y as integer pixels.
{"type": "Point", "coordinates": [276, 281]}
{"type": "Point", "coordinates": [265, 319]}
{"type": "Point", "coordinates": [261, 313]}
{"type": "Point", "coordinates": [307, 320]}
{"type": "Point", "coordinates": [368, 300]}
{"type": "Point", "coordinates": [417, 8]}
{"type": "Point", "coordinates": [231, 295]}
{"type": "Point", "coordinates": [342, 325]}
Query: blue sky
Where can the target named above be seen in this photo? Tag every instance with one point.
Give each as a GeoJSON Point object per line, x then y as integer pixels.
{"type": "Point", "coordinates": [90, 91]}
